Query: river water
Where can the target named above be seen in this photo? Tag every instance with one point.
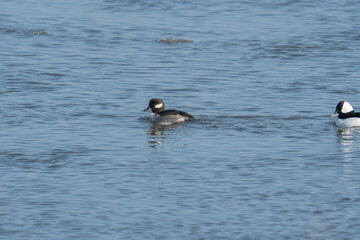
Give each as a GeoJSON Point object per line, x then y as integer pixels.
{"type": "Point", "coordinates": [79, 159]}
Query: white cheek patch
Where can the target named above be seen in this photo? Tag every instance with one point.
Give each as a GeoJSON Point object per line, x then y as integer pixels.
{"type": "Point", "coordinates": [346, 108]}
{"type": "Point", "coordinates": [159, 105]}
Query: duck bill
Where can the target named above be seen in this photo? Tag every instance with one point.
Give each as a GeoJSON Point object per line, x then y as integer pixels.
{"type": "Point", "coordinates": [335, 114]}
{"type": "Point", "coordinates": [147, 109]}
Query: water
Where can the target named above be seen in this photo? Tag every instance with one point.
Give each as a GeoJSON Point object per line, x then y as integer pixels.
{"type": "Point", "coordinates": [79, 159]}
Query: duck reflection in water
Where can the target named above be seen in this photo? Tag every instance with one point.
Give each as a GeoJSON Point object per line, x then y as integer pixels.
{"type": "Point", "coordinates": [159, 133]}
{"type": "Point", "coordinates": [348, 139]}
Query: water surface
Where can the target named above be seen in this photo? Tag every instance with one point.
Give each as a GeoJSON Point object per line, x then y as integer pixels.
{"type": "Point", "coordinates": [263, 160]}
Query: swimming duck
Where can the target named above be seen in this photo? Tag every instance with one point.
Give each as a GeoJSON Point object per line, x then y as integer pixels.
{"type": "Point", "coordinates": [166, 117]}
{"type": "Point", "coordinates": [347, 117]}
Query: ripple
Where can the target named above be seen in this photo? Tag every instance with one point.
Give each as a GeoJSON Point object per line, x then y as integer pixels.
{"type": "Point", "coordinates": [26, 32]}
{"type": "Point", "coordinates": [53, 74]}
{"type": "Point", "coordinates": [173, 40]}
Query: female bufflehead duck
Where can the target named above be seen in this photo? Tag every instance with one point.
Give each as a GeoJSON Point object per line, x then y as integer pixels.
{"type": "Point", "coordinates": [166, 117]}
{"type": "Point", "coordinates": [347, 117]}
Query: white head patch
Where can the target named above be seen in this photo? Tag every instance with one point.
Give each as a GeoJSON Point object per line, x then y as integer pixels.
{"type": "Point", "coordinates": [159, 105]}
{"type": "Point", "coordinates": [346, 108]}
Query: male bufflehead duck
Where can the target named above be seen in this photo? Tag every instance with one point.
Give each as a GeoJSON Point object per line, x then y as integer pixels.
{"type": "Point", "coordinates": [347, 117]}
{"type": "Point", "coordinates": [166, 117]}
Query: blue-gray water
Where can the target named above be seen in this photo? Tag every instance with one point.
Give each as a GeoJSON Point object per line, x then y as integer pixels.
{"type": "Point", "coordinates": [79, 159]}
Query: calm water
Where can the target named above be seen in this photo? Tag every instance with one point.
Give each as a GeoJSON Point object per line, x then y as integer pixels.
{"type": "Point", "coordinates": [79, 159]}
